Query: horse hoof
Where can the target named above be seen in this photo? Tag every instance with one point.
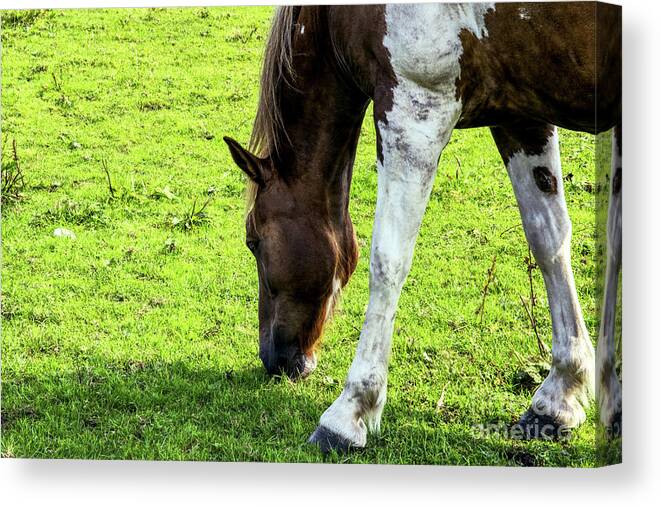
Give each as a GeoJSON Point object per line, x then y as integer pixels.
{"type": "Point", "coordinates": [328, 440]}
{"type": "Point", "coordinates": [543, 427]}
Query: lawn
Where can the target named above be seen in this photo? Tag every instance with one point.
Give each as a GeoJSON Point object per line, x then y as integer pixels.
{"type": "Point", "coordinates": [137, 339]}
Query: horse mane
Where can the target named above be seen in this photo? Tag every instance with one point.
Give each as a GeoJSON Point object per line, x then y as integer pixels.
{"type": "Point", "coordinates": [277, 74]}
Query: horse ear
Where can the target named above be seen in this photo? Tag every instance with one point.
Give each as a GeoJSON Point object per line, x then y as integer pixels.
{"type": "Point", "coordinates": [250, 164]}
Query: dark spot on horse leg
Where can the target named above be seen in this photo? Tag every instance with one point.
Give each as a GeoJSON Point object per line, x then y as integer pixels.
{"type": "Point", "coordinates": [604, 375]}
{"type": "Point", "coordinates": [617, 181]}
{"type": "Point", "coordinates": [545, 181]}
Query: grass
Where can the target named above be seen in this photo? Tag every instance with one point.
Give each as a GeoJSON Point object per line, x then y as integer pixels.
{"type": "Point", "coordinates": [138, 338]}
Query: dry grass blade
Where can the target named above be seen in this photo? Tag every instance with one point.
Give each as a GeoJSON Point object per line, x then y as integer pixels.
{"type": "Point", "coordinates": [530, 310]}
{"type": "Point", "coordinates": [104, 164]}
{"type": "Point", "coordinates": [485, 289]}
{"type": "Point", "coordinates": [441, 399]}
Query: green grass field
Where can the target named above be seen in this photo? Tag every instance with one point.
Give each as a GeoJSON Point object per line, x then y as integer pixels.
{"type": "Point", "coordinates": [138, 338]}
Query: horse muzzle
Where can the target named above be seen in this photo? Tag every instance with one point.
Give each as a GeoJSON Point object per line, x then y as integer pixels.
{"type": "Point", "coordinates": [289, 361]}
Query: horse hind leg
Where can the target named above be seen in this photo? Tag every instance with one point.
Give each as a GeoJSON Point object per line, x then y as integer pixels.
{"type": "Point", "coordinates": [609, 390]}
{"type": "Point", "coordinates": [532, 156]}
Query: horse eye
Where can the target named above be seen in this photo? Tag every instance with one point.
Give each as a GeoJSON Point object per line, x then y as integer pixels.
{"type": "Point", "coordinates": [252, 245]}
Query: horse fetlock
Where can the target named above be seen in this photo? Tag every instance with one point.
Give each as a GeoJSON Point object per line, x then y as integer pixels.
{"type": "Point", "coordinates": [609, 397]}
{"type": "Point", "coordinates": [353, 414]}
{"type": "Point", "coordinates": [561, 398]}
{"type": "Point", "coordinates": [372, 415]}
{"type": "Point", "coordinates": [576, 367]}
{"type": "Point", "coordinates": [342, 421]}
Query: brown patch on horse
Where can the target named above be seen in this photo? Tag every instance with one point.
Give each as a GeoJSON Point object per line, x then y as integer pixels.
{"type": "Point", "coordinates": [365, 60]}
{"type": "Point", "coordinates": [529, 139]}
{"type": "Point", "coordinates": [525, 67]}
{"type": "Point", "coordinates": [544, 180]}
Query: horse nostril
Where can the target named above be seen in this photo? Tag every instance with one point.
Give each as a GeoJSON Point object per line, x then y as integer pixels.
{"type": "Point", "coordinates": [276, 363]}
{"type": "Point", "coordinates": [286, 358]}
{"type": "Point", "coordinates": [300, 366]}
{"type": "Point", "coordinates": [282, 361]}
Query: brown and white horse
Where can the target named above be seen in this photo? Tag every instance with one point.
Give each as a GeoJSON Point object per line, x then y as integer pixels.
{"type": "Point", "coordinates": [519, 68]}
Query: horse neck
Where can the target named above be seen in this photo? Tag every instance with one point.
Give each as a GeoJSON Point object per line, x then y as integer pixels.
{"type": "Point", "coordinates": [322, 116]}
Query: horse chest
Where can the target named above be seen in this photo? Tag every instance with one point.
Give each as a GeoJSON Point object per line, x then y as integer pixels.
{"type": "Point", "coordinates": [424, 43]}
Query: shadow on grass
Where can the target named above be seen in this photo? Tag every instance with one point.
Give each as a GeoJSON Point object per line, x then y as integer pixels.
{"type": "Point", "coordinates": [461, 443]}
{"type": "Point", "coordinates": [171, 411]}
{"type": "Point", "coordinates": [151, 411]}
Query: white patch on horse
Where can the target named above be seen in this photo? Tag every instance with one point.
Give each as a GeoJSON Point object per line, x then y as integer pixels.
{"type": "Point", "coordinates": [570, 382]}
{"type": "Point", "coordinates": [423, 41]}
{"type": "Point", "coordinates": [302, 29]}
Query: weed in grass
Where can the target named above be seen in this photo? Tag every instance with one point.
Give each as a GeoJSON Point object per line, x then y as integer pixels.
{"type": "Point", "coordinates": [170, 246]}
{"type": "Point", "coordinates": [485, 289]}
{"type": "Point", "coordinates": [53, 186]}
{"type": "Point", "coordinates": [242, 36]}
{"type": "Point", "coordinates": [12, 178]}
{"type": "Point", "coordinates": [530, 376]}
{"type": "Point", "coordinates": [68, 211]}
{"type": "Point", "coordinates": [152, 105]}
{"type": "Point", "coordinates": [193, 218]}
{"type": "Point", "coordinates": [164, 193]}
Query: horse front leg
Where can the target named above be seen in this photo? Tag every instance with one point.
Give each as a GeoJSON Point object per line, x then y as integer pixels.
{"type": "Point", "coordinates": [410, 147]}
{"type": "Point", "coordinates": [609, 390]}
{"type": "Point", "coordinates": [532, 156]}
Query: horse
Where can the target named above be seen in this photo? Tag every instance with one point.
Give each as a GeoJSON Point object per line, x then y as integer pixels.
{"type": "Point", "coordinates": [521, 69]}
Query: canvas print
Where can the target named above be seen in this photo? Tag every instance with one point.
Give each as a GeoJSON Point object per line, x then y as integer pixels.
{"type": "Point", "coordinates": [346, 233]}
